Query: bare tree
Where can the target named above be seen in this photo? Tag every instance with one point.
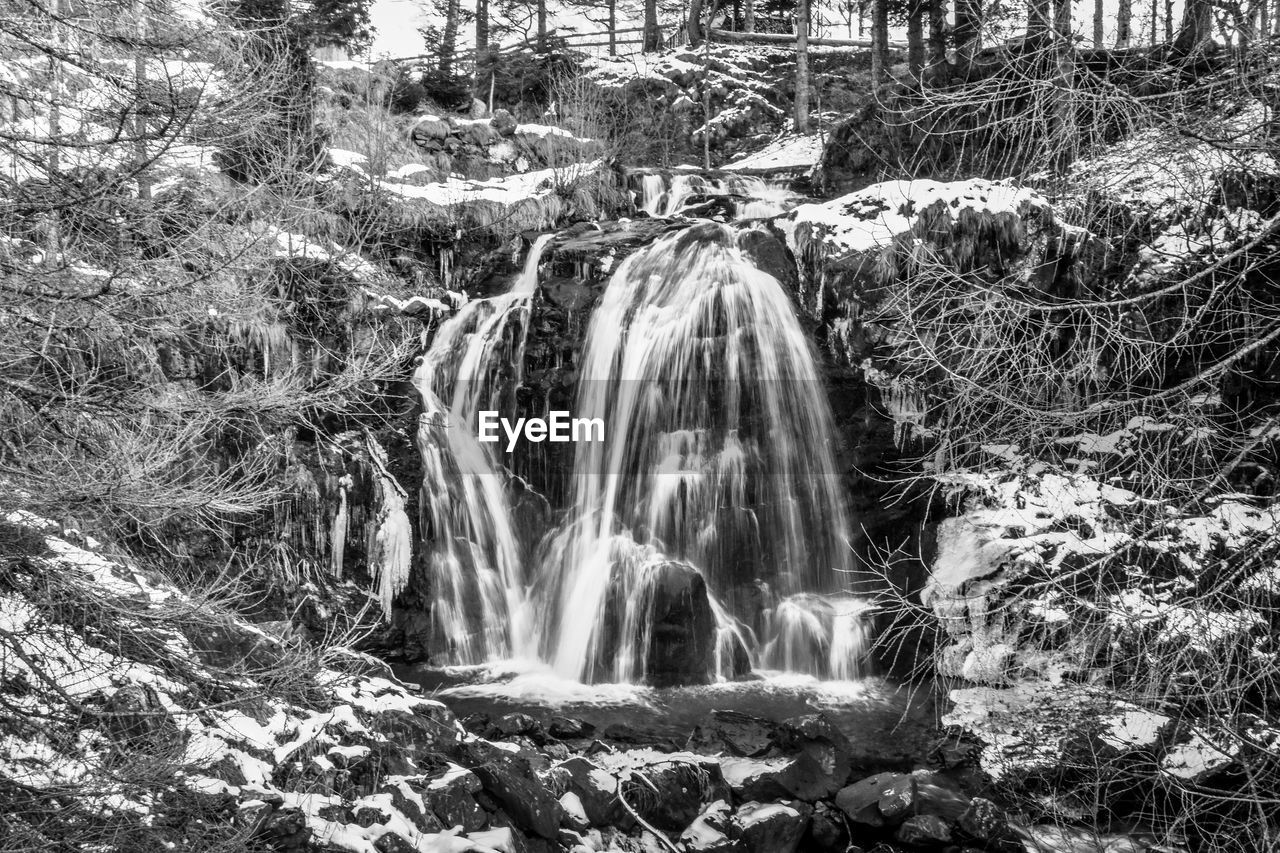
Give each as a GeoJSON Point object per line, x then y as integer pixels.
{"type": "Point", "coordinates": [1124, 23]}
{"type": "Point", "coordinates": [937, 62]}
{"type": "Point", "coordinates": [879, 39]}
{"type": "Point", "coordinates": [802, 67]}
{"type": "Point", "coordinates": [1098, 23]}
{"type": "Point", "coordinates": [1038, 12]}
{"type": "Point", "coordinates": [968, 24]}
{"type": "Point", "coordinates": [915, 36]}
{"type": "Point", "coordinates": [653, 33]}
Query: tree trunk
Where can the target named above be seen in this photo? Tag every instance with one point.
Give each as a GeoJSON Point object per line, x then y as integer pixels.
{"type": "Point", "coordinates": [880, 38]}
{"type": "Point", "coordinates": [1124, 22]}
{"type": "Point", "coordinates": [802, 66]}
{"type": "Point", "coordinates": [1168, 21]}
{"type": "Point", "coordinates": [653, 35]}
{"type": "Point", "coordinates": [1155, 20]}
{"type": "Point", "coordinates": [938, 41]}
{"type": "Point", "coordinates": [1197, 28]}
{"type": "Point", "coordinates": [965, 35]}
{"type": "Point", "coordinates": [1097, 23]}
{"type": "Point", "coordinates": [1037, 18]}
{"type": "Point", "coordinates": [140, 93]}
{"type": "Point", "coordinates": [749, 16]}
{"type": "Point", "coordinates": [482, 28]}
{"type": "Point", "coordinates": [449, 40]}
{"type": "Point", "coordinates": [1066, 73]}
{"type": "Point", "coordinates": [915, 39]}
{"type": "Point", "coordinates": [613, 27]}
{"type": "Point", "coordinates": [542, 25]}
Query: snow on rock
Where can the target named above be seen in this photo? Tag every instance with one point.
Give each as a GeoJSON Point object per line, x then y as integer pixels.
{"type": "Point", "coordinates": [788, 153]}
{"type": "Point", "coordinates": [874, 217]}
{"type": "Point", "coordinates": [283, 756]}
{"type": "Point", "coordinates": [1164, 173]}
{"type": "Point", "coordinates": [1033, 727]}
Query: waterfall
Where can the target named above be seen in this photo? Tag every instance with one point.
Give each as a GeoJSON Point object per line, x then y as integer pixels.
{"type": "Point", "coordinates": [479, 604]}
{"type": "Point", "coordinates": [754, 198]}
{"type": "Point", "coordinates": [717, 452]}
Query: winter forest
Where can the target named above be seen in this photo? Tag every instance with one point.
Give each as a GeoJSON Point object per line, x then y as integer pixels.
{"type": "Point", "coordinates": [770, 426]}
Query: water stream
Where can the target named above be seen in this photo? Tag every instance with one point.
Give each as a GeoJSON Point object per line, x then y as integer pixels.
{"type": "Point", "coordinates": [713, 509]}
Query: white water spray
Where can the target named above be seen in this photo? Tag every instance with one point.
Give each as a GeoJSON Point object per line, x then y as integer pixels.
{"type": "Point", "coordinates": [479, 607]}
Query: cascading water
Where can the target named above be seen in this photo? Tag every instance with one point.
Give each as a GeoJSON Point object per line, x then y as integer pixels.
{"type": "Point", "coordinates": [717, 452]}
{"type": "Point", "coordinates": [479, 607]}
{"type": "Point", "coordinates": [754, 197]}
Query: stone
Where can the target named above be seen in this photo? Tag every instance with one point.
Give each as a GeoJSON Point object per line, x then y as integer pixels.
{"type": "Point", "coordinates": [925, 830]}
{"type": "Point", "coordinates": [286, 830]}
{"type": "Point", "coordinates": [860, 801]}
{"type": "Point", "coordinates": [574, 816]}
{"type": "Point", "coordinates": [734, 733]}
{"type": "Point", "coordinates": [512, 725]}
{"type": "Point", "coordinates": [510, 778]}
{"type": "Point", "coordinates": [896, 798]}
{"type": "Point", "coordinates": [391, 842]}
{"type": "Point", "coordinates": [983, 820]}
{"type": "Point", "coordinates": [666, 789]}
{"type": "Point", "coordinates": [251, 814]}
{"type": "Point", "coordinates": [682, 627]}
{"type": "Point", "coordinates": [821, 765]}
{"type": "Point", "coordinates": [709, 832]}
{"type": "Point", "coordinates": [451, 797]}
{"type": "Point", "coordinates": [503, 122]}
{"type": "Point", "coordinates": [756, 778]}
{"type": "Point", "coordinates": [826, 833]}
{"type": "Point", "coordinates": [772, 827]}
{"type": "Point", "coordinates": [596, 789]}
{"type": "Point", "coordinates": [406, 800]}
{"type": "Point", "coordinates": [567, 728]}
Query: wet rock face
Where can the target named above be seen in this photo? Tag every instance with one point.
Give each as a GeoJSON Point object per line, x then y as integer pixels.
{"type": "Point", "coordinates": [508, 776]}
{"type": "Point", "coordinates": [683, 628]}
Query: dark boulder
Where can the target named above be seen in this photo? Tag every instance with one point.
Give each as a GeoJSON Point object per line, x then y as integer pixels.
{"type": "Point", "coordinates": [682, 627]}
{"type": "Point", "coordinates": [827, 832]}
{"type": "Point", "coordinates": [772, 827]}
{"type": "Point", "coordinates": [710, 831]}
{"type": "Point", "coordinates": [733, 733]}
{"type": "Point", "coordinates": [861, 801]}
{"type": "Point", "coordinates": [509, 777]}
{"type": "Point", "coordinates": [925, 830]}
{"type": "Point", "coordinates": [451, 797]}
{"type": "Point", "coordinates": [596, 789]}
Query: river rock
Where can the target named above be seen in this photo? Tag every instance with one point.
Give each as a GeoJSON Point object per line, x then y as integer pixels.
{"type": "Point", "coordinates": [821, 766]}
{"type": "Point", "coordinates": [861, 801]}
{"type": "Point", "coordinates": [924, 830]}
{"type": "Point", "coordinates": [666, 789]}
{"type": "Point", "coordinates": [286, 830]}
{"type": "Point", "coordinates": [451, 797]}
{"type": "Point", "coordinates": [595, 788]}
{"type": "Point", "coordinates": [508, 776]}
{"type": "Point", "coordinates": [574, 815]}
{"type": "Point", "coordinates": [709, 832]}
{"type": "Point", "coordinates": [733, 733]}
{"type": "Point", "coordinates": [772, 827]}
{"type": "Point", "coordinates": [983, 821]}
{"type": "Point", "coordinates": [826, 833]}
{"type": "Point", "coordinates": [682, 628]}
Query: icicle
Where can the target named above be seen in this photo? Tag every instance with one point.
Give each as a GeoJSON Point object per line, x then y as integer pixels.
{"type": "Point", "coordinates": [338, 531]}
{"type": "Point", "coordinates": [393, 543]}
